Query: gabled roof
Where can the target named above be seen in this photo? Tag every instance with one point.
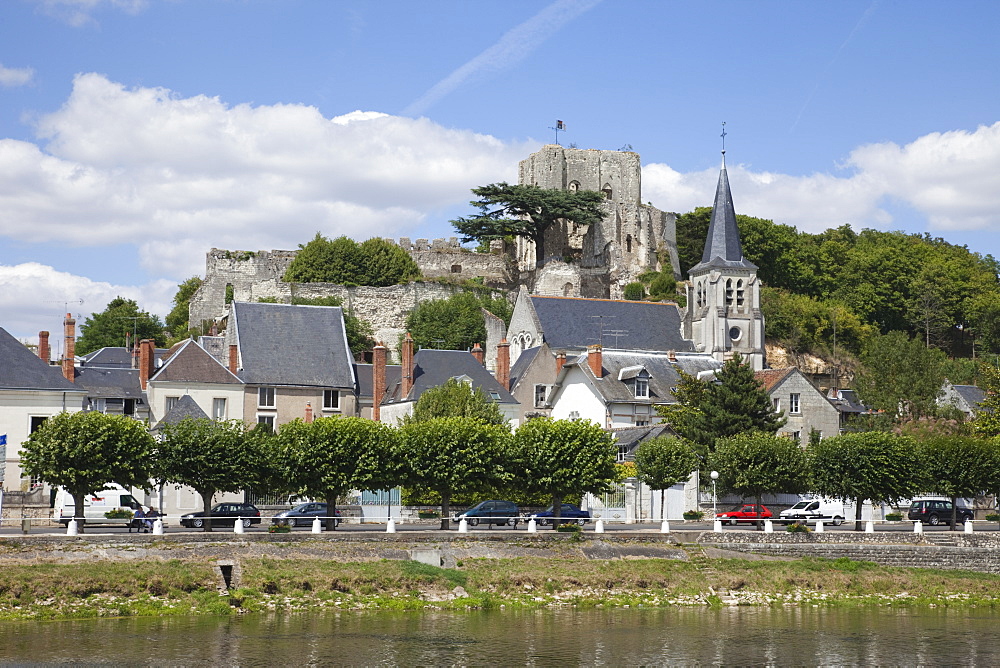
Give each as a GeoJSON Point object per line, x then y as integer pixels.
{"type": "Point", "coordinates": [281, 344]}
{"type": "Point", "coordinates": [190, 363]}
{"type": "Point", "coordinates": [629, 438]}
{"type": "Point", "coordinates": [109, 383]}
{"type": "Point", "coordinates": [846, 401]}
{"type": "Point", "coordinates": [971, 395]}
{"type": "Point", "coordinates": [20, 369]}
{"type": "Point", "coordinates": [771, 378]}
{"type": "Point", "coordinates": [363, 372]}
{"type": "Point", "coordinates": [432, 368]}
{"type": "Point", "coordinates": [722, 245]}
{"type": "Point", "coordinates": [521, 365]}
{"type": "Point", "coordinates": [615, 387]}
{"type": "Point", "coordinates": [570, 322]}
{"type": "Point", "coordinates": [186, 407]}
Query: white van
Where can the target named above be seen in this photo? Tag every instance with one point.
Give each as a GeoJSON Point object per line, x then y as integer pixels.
{"type": "Point", "coordinates": [113, 497]}
{"type": "Point", "coordinates": [809, 511]}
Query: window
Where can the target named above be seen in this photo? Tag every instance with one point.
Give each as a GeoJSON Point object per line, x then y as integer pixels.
{"type": "Point", "coordinates": [219, 409]}
{"type": "Point", "coordinates": [265, 397]}
{"type": "Point", "coordinates": [540, 392]}
{"type": "Point", "coordinates": [266, 419]}
{"type": "Point", "coordinates": [171, 402]}
{"type": "Point", "coordinates": [331, 400]}
{"type": "Point", "coordinates": [36, 422]}
{"type": "Point", "coordinates": [797, 436]}
{"type": "Point", "coordinates": [128, 408]}
{"type": "Point", "coordinates": [729, 292]}
{"type": "Point", "coordinates": [622, 452]}
{"type": "Point", "coordinates": [456, 269]}
{"type": "Point", "coordinates": [642, 386]}
{"type": "Point", "coordinates": [740, 297]}
{"type": "Point", "coordinates": [98, 405]}
{"type": "Point", "coordinates": [793, 404]}
{"type": "Point", "coordinates": [777, 405]}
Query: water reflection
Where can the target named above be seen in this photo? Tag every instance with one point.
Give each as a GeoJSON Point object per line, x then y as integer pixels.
{"type": "Point", "coordinates": [744, 636]}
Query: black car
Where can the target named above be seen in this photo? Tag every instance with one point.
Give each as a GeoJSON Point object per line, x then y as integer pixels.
{"type": "Point", "coordinates": [224, 514]}
{"type": "Point", "coordinates": [304, 514]}
{"type": "Point", "coordinates": [568, 513]}
{"type": "Point", "coordinates": [493, 512]}
{"type": "Point", "coordinates": [937, 511]}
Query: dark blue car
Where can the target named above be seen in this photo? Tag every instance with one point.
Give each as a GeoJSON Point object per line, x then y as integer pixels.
{"type": "Point", "coordinates": [568, 513]}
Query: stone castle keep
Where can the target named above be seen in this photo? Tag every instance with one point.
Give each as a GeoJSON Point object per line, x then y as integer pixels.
{"type": "Point", "coordinates": [582, 261]}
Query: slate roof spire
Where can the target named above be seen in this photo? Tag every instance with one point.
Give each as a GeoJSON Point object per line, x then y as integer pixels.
{"type": "Point", "coordinates": [722, 245]}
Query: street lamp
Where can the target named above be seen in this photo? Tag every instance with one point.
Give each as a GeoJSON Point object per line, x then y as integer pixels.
{"type": "Point", "coordinates": [715, 476]}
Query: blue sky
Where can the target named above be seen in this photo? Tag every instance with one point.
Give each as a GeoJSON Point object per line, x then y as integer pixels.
{"type": "Point", "coordinates": [135, 135]}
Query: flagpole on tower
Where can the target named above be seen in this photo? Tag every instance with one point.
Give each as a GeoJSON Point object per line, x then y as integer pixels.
{"type": "Point", "coordinates": [559, 127]}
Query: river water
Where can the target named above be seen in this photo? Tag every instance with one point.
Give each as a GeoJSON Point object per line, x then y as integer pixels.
{"type": "Point", "coordinates": [677, 636]}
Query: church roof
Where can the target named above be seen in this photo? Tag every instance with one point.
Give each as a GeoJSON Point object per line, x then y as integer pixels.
{"type": "Point", "coordinates": [722, 245]}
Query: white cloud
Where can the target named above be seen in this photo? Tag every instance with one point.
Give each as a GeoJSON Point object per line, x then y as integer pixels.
{"type": "Point", "coordinates": [35, 297]}
{"type": "Point", "coordinates": [948, 177]}
{"type": "Point", "coordinates": [15, 76]}
{"type": "Point", "coordinates": [80, 12]}
{"type": "Point", "coordinates": [177, 176]}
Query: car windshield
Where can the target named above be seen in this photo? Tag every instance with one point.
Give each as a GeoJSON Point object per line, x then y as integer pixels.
{"type": "Point", "coordinates": [800, 505]}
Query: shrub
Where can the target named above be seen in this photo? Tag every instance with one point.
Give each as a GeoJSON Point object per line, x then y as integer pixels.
{"type": "Point", "coordinates": [119, 514]}
{"type": "Point", "coordinates": [693, 514]}
{"type": "Point", "coordinates": [992, 517]}
{"type": "Point", "coordinates": [663, 286]}
{"type": "Point", "coordinates": [893, 517]}
{"type": "Point", "coordinates": [569, 528]}
{"type": "Point", "coordinates": [634, 292]}
{"type": "Point", "coordinates": [798, 527]}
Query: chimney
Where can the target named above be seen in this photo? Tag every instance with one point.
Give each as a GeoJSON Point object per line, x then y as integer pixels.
{"type": "Point", "coordinates": [379, 353]}
{"type": "Point", "coordinates": [595, 359]}
{"type": "Point", "coordinates": [560, 360]}
{"type": "Point", "coordinates": [146, 349]}
{"type": "Point", "coordinates": [479, 354]}
{"type": "Point", "coordinates": [672, 355]}
{"type": "Point", "coordinates": [135, 354]}
{"type": "Point", "coordinates": [69, 347]}
{"type": "Point", "coordinates": [407, 371]}
{"type": "Point", "coordinates": [44, 352]}
{"type": "Point", "coordinates": [234, 359]}
{"type": "Point", "coordinates": [503, 364]}
{"type": "Point", "coordinates": [309, 412]}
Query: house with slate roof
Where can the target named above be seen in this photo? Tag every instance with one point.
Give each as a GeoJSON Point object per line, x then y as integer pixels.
{"type": "Point", "coordinates": [31, 391]}
{"type": "Point", "coordinates": [850, 408]}
{"type": "Point", "coordinates": [192, 383]}
{"type": "Point", "coordinates": [804, 407]}
{"type": "Point", "coordinates": [966, 398]}
{"type": "Point", "coordinates": [294, 361]}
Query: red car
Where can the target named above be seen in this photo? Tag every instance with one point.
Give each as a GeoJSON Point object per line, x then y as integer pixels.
{"type": "Point", "coordinates": [746, 513]}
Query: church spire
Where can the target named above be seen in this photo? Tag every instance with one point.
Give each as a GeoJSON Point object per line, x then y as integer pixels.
{"type": "Point", "coordinates": [722, 245]}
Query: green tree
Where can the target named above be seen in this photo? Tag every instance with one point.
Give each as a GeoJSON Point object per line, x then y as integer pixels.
{"type": "Point", "coordinates": [959, 467]}
{"type": "Point", "coordinates": [329, 457]}
{"type": "Point", "coordinates": [663, 462]}
{"type": "Point", "coordinates": [343, 261]}
{"type": "Point", "coordinates": [360, 333]}
{"type": "Point", "coordinates": [211, 456]}
{"type": "Point", "coordinates": [900, 376]}
{"type": "Point", "coordinates": [564, 458]}
{"type": "Point", "coordinates": [453, 455]}
{"type": "Point", "coordinates": [455, 323]}
{"type": "Point", "coordinates": [635, 292]}
{"type": "Point", "coordinates": [755, 464]}
{"type": "Point", "coordinates": [121, 320]}
{"type": "Point", "coordinates": [84, 451]}
{"type": "Point", "coordinates": [177, 319]}
{"type": "Point", "coordinates": [455, 399]}
{"type": "Point", "coordinates": [527, 211]}
{"type": "Point", "coordinates": [987, 420]}
{"type": "Point", "coordinates": [734, 404]}
{"type": "Point", "coordinates": [881, 467]}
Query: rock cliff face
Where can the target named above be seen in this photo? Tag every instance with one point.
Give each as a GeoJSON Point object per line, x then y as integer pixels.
{"type": "Point", "coordinates": [823, 373]}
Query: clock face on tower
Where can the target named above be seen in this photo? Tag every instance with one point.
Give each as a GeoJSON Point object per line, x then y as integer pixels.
{"type": "Point", "coordinates": [735, 333]}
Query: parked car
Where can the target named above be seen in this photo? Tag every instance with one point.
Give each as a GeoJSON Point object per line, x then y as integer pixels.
{"type": "Point", "coordinates": [224, 514]}
{"type": "Point", "coordinates": [746, 513]}
{"type": "Point", "coordinates": [493, 511]}
{"type": "Point", "coordinates": [567, 513]}
{"type": "Point", "coordinates": [937, 511]}
{"type": "Point", "coordinates": [810, 511]}
{"type": "Point", "coordinates": [113, 498]}
{"type": "Point", "coordinates": [304, 514]}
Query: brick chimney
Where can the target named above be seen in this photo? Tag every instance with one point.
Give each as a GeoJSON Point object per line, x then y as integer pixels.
{"type": "Point", "coordinates": [479, 353]}
{"type": "Point", "coordinates": [146, 352]}
{"type": "Point", "coordinates": [672, 355]}
{"type": "Point", "coordinates": [234, 359]}
{"type": "Point", "coordinates": [503, 364]}
{"type": "Point", "coordinates": [44, 352]}
{"type": "Point", "coordinates": [69, 347]}
{"type": "Point", "coordinates": [560, 360]}
{"type": "Point", "coordinates": [595, 359]}
{"type": "Point", "coordinates": [407, 370]}
{"type": "Point", "coordinates": [309, 412]}
{"type": "Point", "coordinates": [379, 354]}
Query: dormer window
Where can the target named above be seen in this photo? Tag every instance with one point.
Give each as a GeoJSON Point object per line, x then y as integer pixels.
{"type": "Point", "coordinates": [642, 386]}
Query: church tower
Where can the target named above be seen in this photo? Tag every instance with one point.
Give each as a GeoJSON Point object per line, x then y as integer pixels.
{"type": "Point", "coordinates": [723, 302]}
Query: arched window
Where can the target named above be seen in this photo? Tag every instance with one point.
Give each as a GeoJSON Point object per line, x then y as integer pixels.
{"type": "Point", "coordinates": [574, 186]}
{"type": "Point", "coordinates": [567, 290]}
{"type": "Point", "coordinates": [739, 293]}
{"type": "Point", "coordinates": [606, 190]}
{"type": "Point", "coordinates": [628, 243]}
{"type": "Point", "coordinates": [729, 292]}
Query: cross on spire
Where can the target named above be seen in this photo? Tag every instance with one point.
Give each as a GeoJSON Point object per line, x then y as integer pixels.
{"type": "Point", "coordinates": [723, 135]}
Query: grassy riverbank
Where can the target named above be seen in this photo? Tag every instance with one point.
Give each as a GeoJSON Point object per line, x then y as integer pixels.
{"type": "Point", "coordinates": [177, 587]}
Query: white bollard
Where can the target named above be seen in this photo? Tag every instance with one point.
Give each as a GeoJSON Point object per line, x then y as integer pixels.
{"type": "Point", "coordinates": [968, 526]}
{"type": "Point", "coordinates": [532, 526]}
{"type": "Point", "coordinates": [463, 526]}
{"type": "Point", "coordinates": [238, 525]}
{"type": "Point", "coordinates": [390, 526]}
{"type": "Point", "coordinates": [665, 527]}
{"type": "Point", "coordinates": [158, 528]}
{"type": "Point", "coordinates": [72, 528]}
{"type": "Point", "coordinates": [317, 525]}
{"type": "Point", "coordinates": [869, 527]}
{"type": "Point", "coordinates": [819, 526]}
{"type": "Point", "coordinates": [599, 527]}
{"type": "Point", "coordinates": [768, 526]}
{"type": "Point", "coordinates": [918, 527]}
{"type": "Point", "coordinates": [717, 526]}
